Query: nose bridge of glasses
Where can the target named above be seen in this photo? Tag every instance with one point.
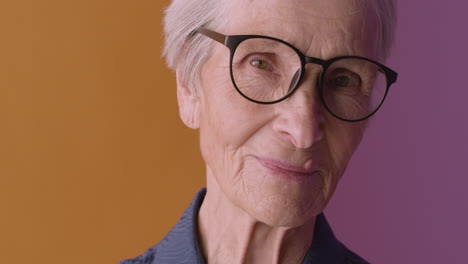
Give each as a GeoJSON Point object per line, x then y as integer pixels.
{"type": "Point", "coordinates": [319, 63]}
{"type": "Point", "coordinates": [314, 60]}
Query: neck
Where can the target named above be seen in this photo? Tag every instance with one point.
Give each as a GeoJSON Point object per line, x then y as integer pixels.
{"type": "Point", "coordinates": [230, 235]}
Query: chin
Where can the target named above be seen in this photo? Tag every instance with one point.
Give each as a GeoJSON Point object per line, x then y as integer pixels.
{"type": "Point", "coordinates": [280, 201]}
{"type": "Point", "coordinates": [280, 211]}
{"type": "Point", "coordinates": [286, 218]}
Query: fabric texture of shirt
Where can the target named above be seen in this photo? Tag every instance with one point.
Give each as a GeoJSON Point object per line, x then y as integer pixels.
{"type": "Point", "coordinates": [180, 245]}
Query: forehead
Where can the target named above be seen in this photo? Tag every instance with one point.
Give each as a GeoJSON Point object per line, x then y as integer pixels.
{"type": "Point", "coordinates": [319, 28]}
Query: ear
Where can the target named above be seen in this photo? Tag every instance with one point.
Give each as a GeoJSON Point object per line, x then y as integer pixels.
{"type": "Point", "coordinates": [189, 103]}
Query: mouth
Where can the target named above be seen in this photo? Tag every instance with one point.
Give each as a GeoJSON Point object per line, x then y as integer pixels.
{"type": "Point", "coordinates": [287, 170]}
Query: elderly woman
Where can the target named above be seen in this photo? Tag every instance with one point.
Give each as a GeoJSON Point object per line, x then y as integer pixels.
{"type": "Point", "coordinates": [281, 92]}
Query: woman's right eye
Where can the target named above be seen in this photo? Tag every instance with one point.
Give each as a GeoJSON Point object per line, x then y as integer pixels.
{"type": "Point", "coordinates": [260, 64]}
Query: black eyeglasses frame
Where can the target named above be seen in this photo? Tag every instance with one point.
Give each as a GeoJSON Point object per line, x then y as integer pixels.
{"type": "Point", "coordinates": [233, 41]}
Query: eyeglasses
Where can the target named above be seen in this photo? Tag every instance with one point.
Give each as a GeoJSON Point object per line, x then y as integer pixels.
{"type": "Point", "coordinates": [267, 70]}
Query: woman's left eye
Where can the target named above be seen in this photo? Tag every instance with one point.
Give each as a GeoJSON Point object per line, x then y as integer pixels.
{"type": "Point", "coordinates": [260, 64]}
{"type": "Point", "coordinates": [341, 81]}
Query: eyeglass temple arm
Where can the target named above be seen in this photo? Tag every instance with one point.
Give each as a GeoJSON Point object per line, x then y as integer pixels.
{"type": "Point", "coordinates": [213, 35]}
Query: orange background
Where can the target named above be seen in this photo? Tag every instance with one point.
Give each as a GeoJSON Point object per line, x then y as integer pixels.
{"type": "Point", "coordinates": [95, 165]}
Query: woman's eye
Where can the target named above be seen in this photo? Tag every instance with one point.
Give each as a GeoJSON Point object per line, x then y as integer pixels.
{"type": "Point", "coordinates": [341, 81]}
{"type": "Point", "coordinates": [260, 64]}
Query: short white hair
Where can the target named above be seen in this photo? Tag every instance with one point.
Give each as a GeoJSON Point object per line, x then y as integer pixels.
{"type": "Point", "coordinates": [186, 53]}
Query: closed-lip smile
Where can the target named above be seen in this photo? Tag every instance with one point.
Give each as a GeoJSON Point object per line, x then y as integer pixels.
{"type": "Point", "coordinates": [286, 168]}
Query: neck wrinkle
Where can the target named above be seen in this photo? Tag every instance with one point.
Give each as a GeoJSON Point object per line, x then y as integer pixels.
{"type": "Point", "coordinates": [230, 235]}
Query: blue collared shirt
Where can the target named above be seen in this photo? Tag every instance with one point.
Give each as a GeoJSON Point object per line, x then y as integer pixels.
{"type": "Point", "coordinates": [180, 245]}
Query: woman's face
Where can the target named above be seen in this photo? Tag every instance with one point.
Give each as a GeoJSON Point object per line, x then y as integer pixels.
{"type": "Point", "coordinates": [281, 163]}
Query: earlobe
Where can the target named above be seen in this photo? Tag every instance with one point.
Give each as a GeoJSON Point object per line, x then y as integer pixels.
{"type": "Point", "coordinates": [189, 104]}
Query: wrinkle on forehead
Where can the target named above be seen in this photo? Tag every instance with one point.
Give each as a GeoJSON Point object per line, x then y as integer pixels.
{"type": "Point", "coordinates": [320, 28]}
{"type": "Point", "coordinates": [324, 9]}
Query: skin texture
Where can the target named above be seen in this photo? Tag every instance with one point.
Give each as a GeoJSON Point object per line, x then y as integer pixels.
{"type": "Point", "coordinates": [272, 168]}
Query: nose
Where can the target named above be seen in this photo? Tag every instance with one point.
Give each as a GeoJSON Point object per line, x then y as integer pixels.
{"type": "Point", "coordinates": [300, 119]}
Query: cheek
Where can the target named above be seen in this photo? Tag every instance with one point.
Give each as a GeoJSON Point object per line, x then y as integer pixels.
{"type": "Point", "coordinates": [227, 123]}
{"type": "Point", "coordinates": [343, 139]}
{"type": "Point", "coordinates": [224, 120]}
{"type": "Point", "coordinates": [225, 114]}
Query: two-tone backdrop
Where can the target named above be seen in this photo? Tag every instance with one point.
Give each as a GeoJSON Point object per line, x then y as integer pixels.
{"type": "Point", "coordinates": [95, 165]}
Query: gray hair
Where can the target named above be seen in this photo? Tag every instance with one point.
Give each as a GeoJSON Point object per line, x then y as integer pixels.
{"type": "Point", "coordinates": [187, 55]}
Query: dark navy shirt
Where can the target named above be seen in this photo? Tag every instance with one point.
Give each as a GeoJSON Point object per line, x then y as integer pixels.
{"type": "Point", "coordinates": [180, 245]}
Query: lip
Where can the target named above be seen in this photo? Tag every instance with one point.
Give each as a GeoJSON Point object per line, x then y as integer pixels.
{"type": "Point", "coordinates": [286, 169]}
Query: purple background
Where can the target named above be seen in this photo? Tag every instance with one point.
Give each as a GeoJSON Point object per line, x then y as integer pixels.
{"type": "Point", "coordinates": [404, 196]}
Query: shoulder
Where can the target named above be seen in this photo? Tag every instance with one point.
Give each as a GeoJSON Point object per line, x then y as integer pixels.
{"type": "Point", "coordinates": [180, 245]}
{"type": "Point", "coordinates": [351, 257]}
{"type": "Point", "coordinates": [147, 258]}
{"type": "Point", "coordinates": [326, 248]}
